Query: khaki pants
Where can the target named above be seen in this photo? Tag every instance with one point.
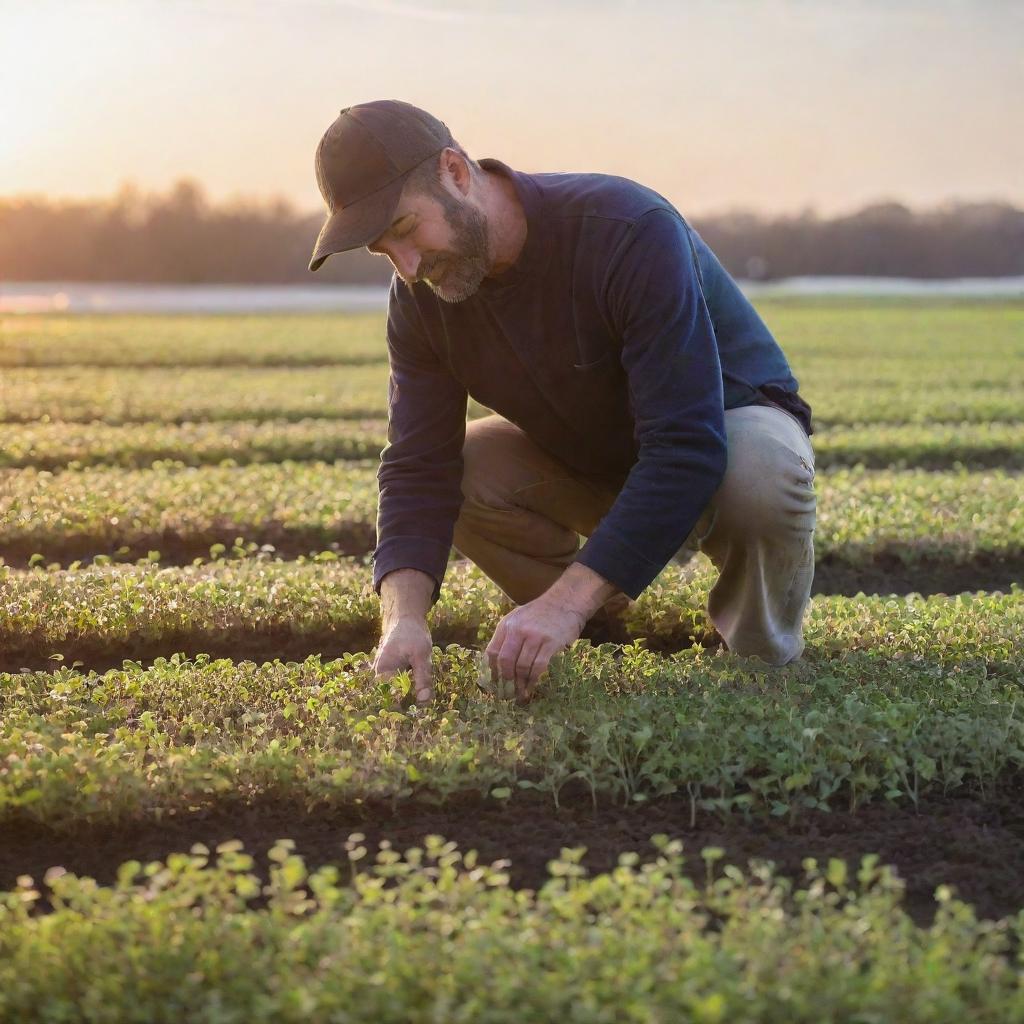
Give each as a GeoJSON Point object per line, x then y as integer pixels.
{"type": "Point", "coordinates": [523, 512]}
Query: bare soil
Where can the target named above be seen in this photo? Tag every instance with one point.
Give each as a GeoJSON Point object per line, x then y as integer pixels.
{"type": "Point", "coordinates": [973, 844]}
{"type": "Point", "coordinates": [353, 538]}
{"type": "Point", "coordinates": [870, 572]}
{"type": "Point", "coordinates": [887, 573]}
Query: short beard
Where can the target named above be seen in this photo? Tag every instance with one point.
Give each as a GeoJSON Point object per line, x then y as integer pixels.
{"type": "Point", "coordinates": [469, 261]}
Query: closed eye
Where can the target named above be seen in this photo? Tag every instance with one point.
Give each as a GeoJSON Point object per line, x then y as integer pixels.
{"type": "Point", "coordinates": [395, 235]}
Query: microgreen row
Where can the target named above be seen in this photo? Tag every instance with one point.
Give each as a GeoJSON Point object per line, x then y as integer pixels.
{"type": "Point", "coordinates": [731, 733]}
{"type": "Point", "coordinates": [181, 511]}
{"type": "Point", "coordinates": [138, 445]}
{"type": "Point", "coordinates": [179, 395]}
{"type": "Point", "coordinates": [73, 445]}
{"type": "Point", "coordinates": [936, 446]}
{"type": "Point", "coordinates": [172, 395]}
{"type": "Point", "coordinates": [827, 339]}
{"type": "Point", "coordinates": [298, 507]}
{"type": "Point", "coordinates": [265, 339]}
{"type": "Point", "coordinates": [256, 605]}
{"type": "Point", "coordinates": [181, 939]}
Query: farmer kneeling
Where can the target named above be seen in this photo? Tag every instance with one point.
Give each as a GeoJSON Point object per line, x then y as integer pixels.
{"type": "Point", "coordinates": [641, 401]}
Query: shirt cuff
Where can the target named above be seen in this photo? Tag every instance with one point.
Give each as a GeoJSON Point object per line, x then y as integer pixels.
{"type": "Point", "coordinates": [618, 563]}
{"type": "Point", "coordinates": [423, 553]}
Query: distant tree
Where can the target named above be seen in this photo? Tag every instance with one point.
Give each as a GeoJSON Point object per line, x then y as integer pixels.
{"type": "Point", "coordinates": [883, 239]}
{"type": "Point", "coordinates": [183, 238]}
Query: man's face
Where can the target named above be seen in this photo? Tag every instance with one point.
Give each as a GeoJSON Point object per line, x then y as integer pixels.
{"type": "Point", "coordinates": [439, 239]}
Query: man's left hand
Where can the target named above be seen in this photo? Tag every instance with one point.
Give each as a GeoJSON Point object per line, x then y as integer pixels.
{"type": "Point", "coordinates": [528, 638]}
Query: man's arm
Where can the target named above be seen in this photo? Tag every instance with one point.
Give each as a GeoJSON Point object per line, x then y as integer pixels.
{"type": "Point", "coordinates": [420, 484]}
{"type": "Point", "coordinates": [581, 590]}
{"type": "Point", "coordinates": [669, 351]}
{"type": "Point", "coordinates": [405, 594]}
{"type": "Point", "coordinates": [420, 473]}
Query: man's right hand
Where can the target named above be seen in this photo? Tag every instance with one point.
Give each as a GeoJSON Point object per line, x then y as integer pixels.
{"type": "Point", "coordinates": [405, 639]}
{"type": "Point", "coordinates": [406, 644]}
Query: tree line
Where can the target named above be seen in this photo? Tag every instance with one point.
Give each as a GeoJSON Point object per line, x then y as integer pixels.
{"type": "Point", "coordinates": [182, 238]}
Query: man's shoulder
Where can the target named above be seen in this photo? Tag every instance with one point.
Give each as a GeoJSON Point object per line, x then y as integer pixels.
{"type": "Point", "coordinates": [593, 194]}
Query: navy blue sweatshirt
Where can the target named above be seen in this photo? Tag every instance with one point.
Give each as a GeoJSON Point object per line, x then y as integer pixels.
{"type": "Point", "coordinates": [615, 342]}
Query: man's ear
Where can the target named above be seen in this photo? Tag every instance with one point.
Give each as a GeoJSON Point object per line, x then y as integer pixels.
{"type": "Point", "coordinates": [455, 168]}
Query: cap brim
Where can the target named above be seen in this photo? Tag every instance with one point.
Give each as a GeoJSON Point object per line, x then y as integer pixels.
{"type": "Point", "coordinates": [358, 223]}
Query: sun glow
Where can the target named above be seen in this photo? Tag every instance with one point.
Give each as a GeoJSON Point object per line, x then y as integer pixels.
{"type": "Point", "coordinates": [771, 113]}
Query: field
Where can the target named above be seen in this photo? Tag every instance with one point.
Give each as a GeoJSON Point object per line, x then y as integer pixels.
{"type": "Point", "coordinates": [211, 810]}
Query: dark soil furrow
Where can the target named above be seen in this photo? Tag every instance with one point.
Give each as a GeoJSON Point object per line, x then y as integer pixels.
{"type": "Point", "coordinates": [353, 538]}
{"type": "Point", "coordinates": [238, 645]}
{"type": "Point", "coordinates": [975, 845]}
{"type": "Point", "coordinates": [871, 572]}
{"type": "Point", "coordinates": [887, 573]}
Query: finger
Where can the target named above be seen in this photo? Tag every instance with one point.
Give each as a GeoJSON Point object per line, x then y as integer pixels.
{"type": "Point", "coordinates": [508, 656]}
{"type": "Point", "coordinates": [494, 647]}
{"type": "Point", "coordinates": [422, 679]}
{"type": "Point", "coordinates": [524, 664]}
{"type": "Point", "coordinates": [388, 666]}
{"type": "Point", "coordinates": [381, 660]}
{"type": "Point", "coordinates": [540, 664]}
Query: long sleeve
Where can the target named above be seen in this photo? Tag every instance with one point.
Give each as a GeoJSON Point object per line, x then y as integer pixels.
{"type": "Point", "coordinates": [670, 355]}
{"type": "Point", "coordinates": [420, 474]}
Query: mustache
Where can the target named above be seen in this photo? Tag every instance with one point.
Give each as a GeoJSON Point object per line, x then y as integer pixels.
{"type": "Point", "coordinates": [433, 268]}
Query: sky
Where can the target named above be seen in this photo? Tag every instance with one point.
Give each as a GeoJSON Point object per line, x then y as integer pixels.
{"type": "Point", "coordinates": [773, 106]}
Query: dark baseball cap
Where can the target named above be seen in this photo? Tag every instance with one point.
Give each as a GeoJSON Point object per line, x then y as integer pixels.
{"type": "Point", "coordinates": [362, 162]}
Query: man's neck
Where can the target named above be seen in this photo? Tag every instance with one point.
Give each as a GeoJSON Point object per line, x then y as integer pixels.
{"type": "Point", "coordinates": [506, 222]}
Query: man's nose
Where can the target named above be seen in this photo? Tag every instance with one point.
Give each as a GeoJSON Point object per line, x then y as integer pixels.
{"type": "Point", "coordinates": [406, 261]}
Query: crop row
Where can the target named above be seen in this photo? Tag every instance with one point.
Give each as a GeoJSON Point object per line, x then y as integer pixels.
{"type": "Point", "coordinates": [826, 340]}
{"type": "Point", "coordinates": [871, 343]}
{"type": "Point", "coordinates": [138, 445]}
{"type": "Point", "coordinates": [178, 395]}
{"type": "Point", "coordinates": [298, 507]}
{"type": "Point", "coordinates": [264, 339]}
{"type": "Point", "coordinates": [181, 511]}
{"type": "Point", "coordinates": [728, 733]}
{"type": "Point", "coordinates": [181, 939]}
{"type": "Point", "coordinates": [232, 605]}
{"type": "Point", "coordinates": [921, 446]}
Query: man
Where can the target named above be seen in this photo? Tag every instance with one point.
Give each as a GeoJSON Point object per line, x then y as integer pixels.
{"type": "Point", "coordinates": [639, 400]}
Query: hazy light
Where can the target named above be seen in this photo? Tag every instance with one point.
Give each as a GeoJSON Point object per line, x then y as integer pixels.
{"type": "Point", "coordinates": [716, 103]}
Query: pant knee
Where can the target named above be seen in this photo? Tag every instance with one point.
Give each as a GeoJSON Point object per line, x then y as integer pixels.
{"type": "Point", "coordinates": [767, 493]}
